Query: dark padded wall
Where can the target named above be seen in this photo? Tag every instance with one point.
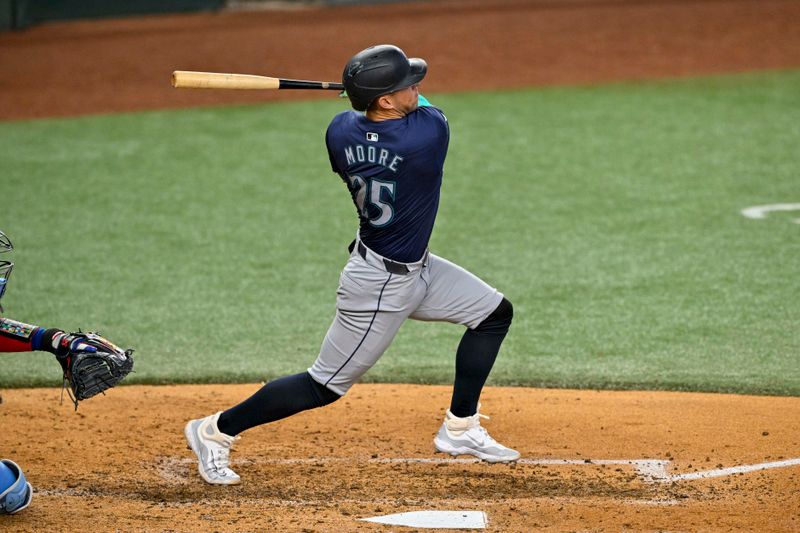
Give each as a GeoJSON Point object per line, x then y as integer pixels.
{"type": "Point", "coordinates": [21, 13]}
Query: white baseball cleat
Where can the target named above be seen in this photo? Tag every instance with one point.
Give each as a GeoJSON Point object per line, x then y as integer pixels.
{"type": "Point", "coordinates": [466, 436]}
{"type": "Point", "coordinates": [212, 448]}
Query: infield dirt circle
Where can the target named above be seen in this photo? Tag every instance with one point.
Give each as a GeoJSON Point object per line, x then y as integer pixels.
{"type": "Point", "coordinates": [596, 461]}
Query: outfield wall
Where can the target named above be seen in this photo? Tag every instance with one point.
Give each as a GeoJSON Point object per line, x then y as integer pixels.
{"type": "Point", "coordinates": [18, 14]}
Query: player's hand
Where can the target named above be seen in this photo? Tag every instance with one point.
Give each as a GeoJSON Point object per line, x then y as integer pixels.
{"type": "Point", "coordinates": [92, 364]}
{"type": "Point", "coordinates": [76, 344]}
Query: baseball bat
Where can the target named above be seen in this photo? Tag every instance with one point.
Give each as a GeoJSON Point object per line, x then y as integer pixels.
{"type": "Point", "coordinates": [218, 80]}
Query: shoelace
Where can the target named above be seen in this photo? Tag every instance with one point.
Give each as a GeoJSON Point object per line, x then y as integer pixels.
{"type": "Point", "coordinates": [488, 439]}
{"type": "Point", "coordinates": [476, 421]}
{"type": "Point", "coordinates": [220, 457]}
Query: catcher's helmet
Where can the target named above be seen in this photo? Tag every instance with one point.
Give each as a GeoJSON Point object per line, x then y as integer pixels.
{"type": "Point", "coordinates": [15, 491]}
{"type": "Point", "coordinates": [5, 266]}
{"type": "Point", "coordinates": [380, 70]}
{"type": "Point", "coordinates": [5, 243]}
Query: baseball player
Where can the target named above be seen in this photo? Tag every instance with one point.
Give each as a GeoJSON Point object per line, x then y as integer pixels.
{"type": "Point", "coordinates": [90, 366]}
{"type": "Point", "coordinates": [107, 364]}
{"type": "Point", "coordinates": [391, 159]}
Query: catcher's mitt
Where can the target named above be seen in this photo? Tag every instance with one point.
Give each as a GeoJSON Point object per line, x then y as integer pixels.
{"type": "Point", "coordinates": [92, 364]}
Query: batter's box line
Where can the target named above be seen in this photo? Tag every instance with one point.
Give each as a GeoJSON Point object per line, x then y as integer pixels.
{"type": "Point", "coordinates": [650, 470]}
{"type": "Point", "coordinates": [742, 469]}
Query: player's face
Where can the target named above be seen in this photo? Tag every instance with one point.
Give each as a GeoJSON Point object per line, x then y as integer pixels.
{"type": "Point", "coordinates": [405, 100]}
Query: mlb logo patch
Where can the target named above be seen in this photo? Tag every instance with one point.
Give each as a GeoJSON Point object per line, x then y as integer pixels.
{"type": "Point", "coordinates": [372, 137]}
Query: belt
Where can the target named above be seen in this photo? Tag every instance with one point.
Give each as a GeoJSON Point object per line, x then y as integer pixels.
{"type": "Point", "coordinates": [391, 266]}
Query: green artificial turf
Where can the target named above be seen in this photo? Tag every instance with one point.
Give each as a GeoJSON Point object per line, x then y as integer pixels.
{"type": "Point", "coordinates": [211, 240]}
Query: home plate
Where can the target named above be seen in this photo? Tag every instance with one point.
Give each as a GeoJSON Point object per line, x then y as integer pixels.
{"type": "Point", "coordinates": [434, 519]}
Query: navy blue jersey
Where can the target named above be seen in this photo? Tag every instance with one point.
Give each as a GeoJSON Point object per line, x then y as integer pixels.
{"type": "Point", "coordinates": [393, 170]}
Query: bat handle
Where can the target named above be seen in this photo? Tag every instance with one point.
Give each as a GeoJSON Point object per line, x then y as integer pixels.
{"type": "Point", "coordinates": [303, 84]}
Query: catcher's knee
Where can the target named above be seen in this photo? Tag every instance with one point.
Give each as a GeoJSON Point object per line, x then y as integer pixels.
{"type": "Point", "coordinates": [322, 394]}
{"type": "Point", "coordinates": [498, 322]}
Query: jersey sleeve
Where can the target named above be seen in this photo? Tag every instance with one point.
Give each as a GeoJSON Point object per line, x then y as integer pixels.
{"type": "Point", "coordinates": [440, 119]}
{"type": "Point", "coordinates": [330, 149]}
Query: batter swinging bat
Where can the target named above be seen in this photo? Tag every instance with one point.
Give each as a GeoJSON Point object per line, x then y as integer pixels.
{"type": "Point", "coordinates": [217, 80]}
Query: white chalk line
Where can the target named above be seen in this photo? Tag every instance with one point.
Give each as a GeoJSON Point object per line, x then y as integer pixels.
{"type": "Point", "coordinates": [743, 469]}
{"type": "Point", "coordinates": [650, 470]}
{"type": "Point", "coordinates": [760, 211]}
{"type": "Point", "coordinates": [363, 502]}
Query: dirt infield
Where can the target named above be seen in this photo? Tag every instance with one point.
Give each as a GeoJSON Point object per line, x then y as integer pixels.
{"type": "Point", "coordinates": [599, 461]}
{"type": "Point", "coordinates": [120, 462]}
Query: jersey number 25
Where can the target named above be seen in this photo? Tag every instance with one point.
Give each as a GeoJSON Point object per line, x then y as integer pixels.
{"type": "Point", "coordinates": [379, 210]}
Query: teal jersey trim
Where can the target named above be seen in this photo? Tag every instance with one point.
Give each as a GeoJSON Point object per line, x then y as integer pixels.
{"type": "Point", "coordinates": [423, 102]}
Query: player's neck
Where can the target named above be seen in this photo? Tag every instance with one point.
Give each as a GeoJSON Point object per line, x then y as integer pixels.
{"type": "Point", "coordinates": [379, 114]}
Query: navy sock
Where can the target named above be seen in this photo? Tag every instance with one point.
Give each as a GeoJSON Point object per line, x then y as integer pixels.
{"type": "Point", "coordinates": [475, 357]}
{"type": "Point", "coordinates": [277, 399]}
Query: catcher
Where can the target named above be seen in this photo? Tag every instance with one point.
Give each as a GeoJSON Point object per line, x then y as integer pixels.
{"type": "Point", "coordinates": [91, 363]}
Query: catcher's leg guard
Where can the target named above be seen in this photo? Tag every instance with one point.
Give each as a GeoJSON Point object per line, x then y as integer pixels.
{"type": "Point", "coordinates": [15, 491]}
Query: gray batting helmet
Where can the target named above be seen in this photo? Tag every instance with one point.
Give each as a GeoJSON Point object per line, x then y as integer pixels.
{"type": "Point", "coordinates": [380, 70]}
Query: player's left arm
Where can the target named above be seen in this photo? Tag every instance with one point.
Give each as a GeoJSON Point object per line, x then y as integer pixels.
{"type": "Point", "coordinates": [20, 337]}
{"type": "Point", "coordinates": [91, 363]}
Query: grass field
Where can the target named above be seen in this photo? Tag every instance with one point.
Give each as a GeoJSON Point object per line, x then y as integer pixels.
{"type": "Point", "coordinates": [211, 240]}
